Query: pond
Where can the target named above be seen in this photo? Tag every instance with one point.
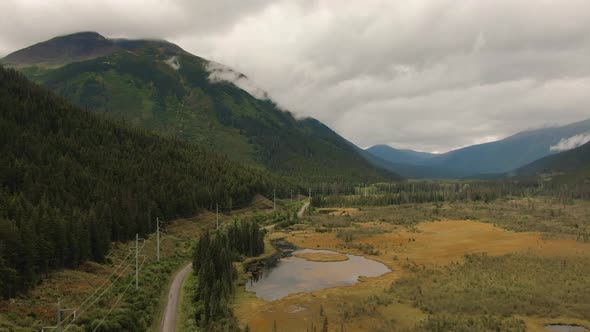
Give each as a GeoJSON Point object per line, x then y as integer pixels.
{"type": "Point", "coordinates": [293, 274]}
{"type": "Point", "coordinates": [564, 328]}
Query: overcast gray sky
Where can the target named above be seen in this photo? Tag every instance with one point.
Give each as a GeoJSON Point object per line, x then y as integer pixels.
{"type": "Point", "coordinates": [425, 75]}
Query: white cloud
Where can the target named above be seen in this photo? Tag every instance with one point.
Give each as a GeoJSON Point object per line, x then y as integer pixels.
{"type": "Point", "coordinates": [426, 75]}
{"type": "Point", "coordinates": [571, 143]}
{"type": "Point", "coordinates": [219, 72]}
{"type": "Point", "coordinates": [173, 62]}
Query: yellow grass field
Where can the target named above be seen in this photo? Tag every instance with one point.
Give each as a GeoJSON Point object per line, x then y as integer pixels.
{"type": "Point", "coordinates": [430, 245]}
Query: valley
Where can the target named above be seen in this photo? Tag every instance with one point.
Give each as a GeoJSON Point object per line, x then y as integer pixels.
{"type": "Point", "coordinates": [146, 188]}
{"type": "Point", "coordinates": [94, 288]}
{"type": "Point", "coordinates": [463, 272]}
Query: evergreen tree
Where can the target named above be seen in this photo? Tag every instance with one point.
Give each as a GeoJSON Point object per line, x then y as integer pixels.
{"type": "Point", "coordinates": [72, 182]}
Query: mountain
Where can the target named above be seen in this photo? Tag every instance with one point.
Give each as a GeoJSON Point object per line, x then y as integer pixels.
{"type": "Point", "coordinates": [568, 165]}
{"type": "Point", "coordinates": [408, 163]}
{"type": "Point", "coordinates": [410, 171]}
{"type": "Point", "coordinates": [71, 182]}
{"type": "Point", "coordinates": [158, 86]}
{"type": "Point", "coordinates": [492, 158]}
{"type": "Point", "coordinates": [510, 153]}
{"type": "Point", "coordinates": [62, 50]}
{"type": "Point", "coordinates": [393, 155]}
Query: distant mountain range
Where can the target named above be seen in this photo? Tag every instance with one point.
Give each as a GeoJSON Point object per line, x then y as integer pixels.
{"type": "Point", "coordinates": [394, 155]}
{"type": "Point", "coordinates": [571, 165]}
{"type": "Point", "coordinates": [158, 86]}
{"type": "Point", "coordinates": [481, 160]}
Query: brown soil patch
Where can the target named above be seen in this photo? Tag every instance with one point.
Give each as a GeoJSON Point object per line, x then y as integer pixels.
{"type": "Point", "coordinates": [322, 257]}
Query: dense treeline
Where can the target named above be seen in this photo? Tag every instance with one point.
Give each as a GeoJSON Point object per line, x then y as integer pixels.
{"type": "Point", "coordinates": [246, 238]}
{"type": "Point", "coordinates": [72, 182]}
{"type": "Point", "coordinates": [215, 272]}
{"type": "Point", "coordinates": [443, 191]}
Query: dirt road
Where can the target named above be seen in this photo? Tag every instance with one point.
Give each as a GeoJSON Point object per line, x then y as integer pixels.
{"type": "Point", "coordinates": [299, 215]}
{"type": "Point", "coordinates": [170, 313]}
{"type": "Point", "coordinates": [302, 210]}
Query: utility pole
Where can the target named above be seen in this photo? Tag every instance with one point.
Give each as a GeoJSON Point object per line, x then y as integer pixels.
{"type": "Point", "coordinates": [58, 315]}
{"type": "Point", "coordinates": [59, 312]}
{"type": "Point", "coordinates": [136, 261]}
{"type": "Point", "coordinates": [137, 238]}
{"type": "Point", "coordinates": [217, 214]}
{"type": "Point", "coordinates": [158, 236]}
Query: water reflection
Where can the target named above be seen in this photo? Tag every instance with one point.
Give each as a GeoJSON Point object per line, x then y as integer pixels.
{"type": "Point", "coordinates": [294, 275]}
{"type": "Point", "coordinates": [564, 328]}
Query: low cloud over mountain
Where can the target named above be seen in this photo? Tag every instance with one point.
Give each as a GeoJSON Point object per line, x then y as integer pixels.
{"type": "Point", "coordinates": [424, 75]}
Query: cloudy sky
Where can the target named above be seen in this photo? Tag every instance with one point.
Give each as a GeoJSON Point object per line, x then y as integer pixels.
{"type": "Point", "coordinates": [426, 75]}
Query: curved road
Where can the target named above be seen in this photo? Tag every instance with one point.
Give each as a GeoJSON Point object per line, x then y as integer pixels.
{"type": "Point", "coordinates": [302, 210]}
{"type": "Point", "coordinates": [299, 215]}
{"type": "Point", "coordinates": [169, 319]}
{"type": "Point", "coordinates": [170, 313]}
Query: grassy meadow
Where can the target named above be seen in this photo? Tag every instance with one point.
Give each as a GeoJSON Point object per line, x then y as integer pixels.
{"type": "Point", "coordinates": [513, 264]}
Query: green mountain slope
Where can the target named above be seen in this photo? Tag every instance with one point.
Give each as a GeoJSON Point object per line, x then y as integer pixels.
{"type": "Point", "coordinates": [510, 153]}
{"type": "Point", "coordinates": [408, 163]}
{"type": "Point", "coordinates": [72, 182]}
{"type": "Point", "coordinates": [158, 86]}
{"type": "Point", "coordinates": [62, 50]}
{"type": "Point", "coordinates": [568, 166]}
{"type": "Point", "coordinates": [394, 155]}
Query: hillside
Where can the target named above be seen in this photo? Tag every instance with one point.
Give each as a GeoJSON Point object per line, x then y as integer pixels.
{"type": "Point", "coordinates": [71, 182]}
{"type": "Point", "coordinates": [394, 155]}
{"type": "Point", "coordinates": [408, 163]}
{"type": "Point", "coordinates": [512, 152]}
{"type": "Point", "coordinates": [481, 160]}
{"type": "Point", "coordinates": [158, 86]}
{"type": "Point", "coordinates": [61, 50]}
{"type": "Point", "coordinates": [569, 166]}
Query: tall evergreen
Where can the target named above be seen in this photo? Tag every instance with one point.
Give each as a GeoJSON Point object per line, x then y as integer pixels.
{"type": "Point", "coordinates": [71, 182]}
{"type": "Point", "coordinates": [215, 272]}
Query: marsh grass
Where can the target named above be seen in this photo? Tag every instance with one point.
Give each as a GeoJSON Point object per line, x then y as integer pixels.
{"type": "Point", "coordinates": [461, 323]}
{"type": "Point", "coordinates": [541, 214]}
{"type": "Point", "coordinates": [506, 285]}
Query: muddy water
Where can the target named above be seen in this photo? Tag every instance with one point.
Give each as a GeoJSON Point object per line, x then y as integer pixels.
{"type": "Point", "coordinates": [293, 275]}
{"type": "Point", "coordinates": [564, 328]}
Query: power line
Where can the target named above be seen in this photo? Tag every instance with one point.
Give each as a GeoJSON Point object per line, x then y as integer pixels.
{"type": "Point", "coordinates": [60, 310]}
{"type": "Point", "coordinates": [137, 268]}
{"type": "Point", "coordinates": [113, 306]}
{"type": "Point", "coordinates": [113, 283]}
{"type": "Point", "coordinates": [101, 294]}
{"type": "Point", "coordinates": [137, 258]}
{"type": "Point", "coordinates": [158, 236]}
{"type": "Point", "coordinates": [118, 299]}
{"type": "Point", "coordinates": [98, 289]}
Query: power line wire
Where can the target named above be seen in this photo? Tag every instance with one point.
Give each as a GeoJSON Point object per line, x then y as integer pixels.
{"type": "Point", "coordinates": [100, 296]}
{"type": "Point", "coordinates": [98, 289]}
{"type": "Point", "coordinates": [113, 306]}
